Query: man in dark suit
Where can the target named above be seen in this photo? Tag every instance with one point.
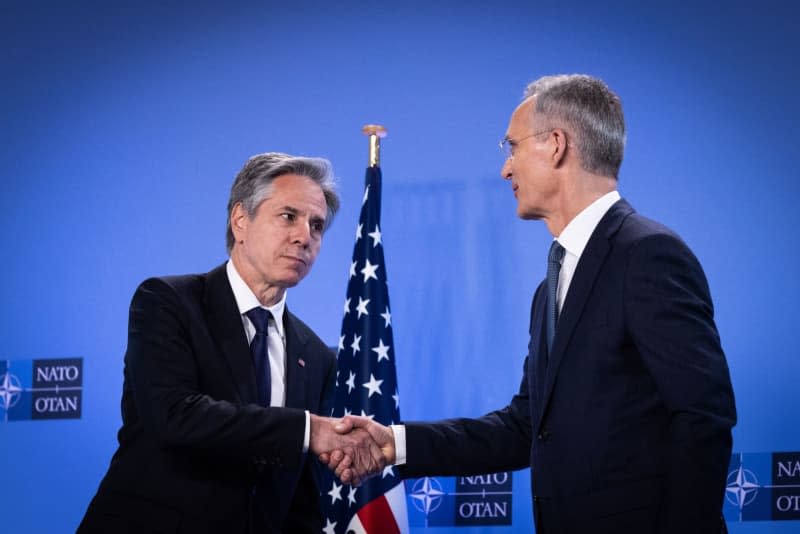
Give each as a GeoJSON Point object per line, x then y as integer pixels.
{"type": "Point", "coordinates": [625, 409]}
{"type": "Point", "coordinates": [222, 382]}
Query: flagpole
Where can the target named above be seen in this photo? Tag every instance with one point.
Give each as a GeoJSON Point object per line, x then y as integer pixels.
{"type": "Point", "coordinates": [375, 132]}
{"type": "Point", "coordinates": [367, 385]}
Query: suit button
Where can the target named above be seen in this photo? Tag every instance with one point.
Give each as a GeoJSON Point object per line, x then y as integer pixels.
{"type": "Point", "coordinates": [535, 498]}
{"type": "Point", "coordinates": [544, 435]}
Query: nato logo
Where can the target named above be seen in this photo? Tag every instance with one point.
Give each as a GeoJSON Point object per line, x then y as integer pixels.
{"type": "Point", "coordinates": [41, 389]}
{"type": "Point", "coordinates": [427, 495]}
{"type": "Point", "coordinates": [763, 487]}
{"type": "Point", "coordinates": [460, 501]}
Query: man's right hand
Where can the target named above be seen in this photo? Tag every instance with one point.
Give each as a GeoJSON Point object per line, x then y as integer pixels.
{"type": "Point", "coordinates": [343, 464]}
{"type": "Point", "coordinates": [355, 447]}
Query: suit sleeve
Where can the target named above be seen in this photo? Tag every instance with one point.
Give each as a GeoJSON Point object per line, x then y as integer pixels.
{"type": "Point", "coordinates": [669, 311]}
{"type": "Point", "coordinates": [163, 369]}
{"type": "Point", "coordinates": [498, 441]}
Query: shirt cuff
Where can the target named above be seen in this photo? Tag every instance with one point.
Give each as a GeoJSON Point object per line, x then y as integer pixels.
{"type": "Point", "coordinates": [307, 433]}
{"type": "Point", "coordinates": [399, 444]}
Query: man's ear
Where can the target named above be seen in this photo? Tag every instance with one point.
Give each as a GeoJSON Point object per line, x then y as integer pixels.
{"type": "Point", "coordinates": [559, 147]}
{"type": "Point", "coordinates": [239, 220]}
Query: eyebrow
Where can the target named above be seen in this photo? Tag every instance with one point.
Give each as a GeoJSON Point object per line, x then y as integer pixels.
{"type": "Point", "coordinates": [296, 211]}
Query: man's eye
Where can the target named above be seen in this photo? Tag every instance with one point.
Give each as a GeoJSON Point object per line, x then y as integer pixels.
{"type": "Point", "coordinates": [317, 227]}
{"type": "Point", "coordinates": [288, 216]}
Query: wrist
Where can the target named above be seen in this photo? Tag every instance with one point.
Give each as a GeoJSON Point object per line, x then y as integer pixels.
{"type": "Point", "coordinates": [316, 433]}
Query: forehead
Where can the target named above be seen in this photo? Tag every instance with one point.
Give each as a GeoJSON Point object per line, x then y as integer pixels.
{"type": "Point", "coordinates": [520, 119]}
{"type": "Point", "coordinates": [298, 192]}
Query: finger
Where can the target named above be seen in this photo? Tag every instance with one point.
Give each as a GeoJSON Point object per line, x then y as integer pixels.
{"type": "Point", "coordinates": [346, 461]}
{"type": "Point", "coordinates": [353, 479]}
{"type": "Point", "coordinates": [336, 456]}
{"type": "Point", "coordinates": [349, 422]}
{"type": "Point", "coordinates": [345, 464]}
{"type": "Point", "coordinates": [347, 476]}
{"type": "Point", "coordinates": [329, 460]}
{"type": "Point", "coordinates": [344, 425]}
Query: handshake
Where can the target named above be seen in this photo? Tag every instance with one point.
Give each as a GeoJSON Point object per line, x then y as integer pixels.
{"type": "Point", "coordinates": [354, 448]}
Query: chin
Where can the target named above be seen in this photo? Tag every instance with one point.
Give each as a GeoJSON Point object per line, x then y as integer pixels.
{"type": "Point", "coordinates": [293, 279]}
{"type": "Point", "coordinates": [290, 282]}
{"type": "Point", "coordinates": [523, 214]}
{"type": "Point", "coordinates": [528, 216]}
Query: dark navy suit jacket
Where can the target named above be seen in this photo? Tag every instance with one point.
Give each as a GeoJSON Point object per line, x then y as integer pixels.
{"type": "Point", "coordinates": [627, 424]}
{"type": "Point", "coordinates": [196, 453]}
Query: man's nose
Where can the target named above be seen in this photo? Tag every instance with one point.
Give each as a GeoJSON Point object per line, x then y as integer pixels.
{"type": "Point", "coordinates": [505, 172]}
{"type": "Point", "coordinates": [301, 233]}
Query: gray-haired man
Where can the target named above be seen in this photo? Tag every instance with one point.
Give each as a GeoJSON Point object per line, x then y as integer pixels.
{"type": "Point", "coordinates": [625, 406]}
{"type": "Point", "coordinates": [222, 382]}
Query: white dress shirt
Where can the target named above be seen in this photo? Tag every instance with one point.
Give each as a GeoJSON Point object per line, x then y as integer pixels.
{"type": "Point", "coordinates": [573, 238]}
{"type": "Point", "coordinates": [276, 339]}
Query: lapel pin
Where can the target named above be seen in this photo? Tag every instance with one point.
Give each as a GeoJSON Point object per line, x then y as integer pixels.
{"type": "Point", "coordinates": [302, 362]}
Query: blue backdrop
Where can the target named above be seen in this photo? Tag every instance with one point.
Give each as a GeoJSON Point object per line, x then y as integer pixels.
{"type": "Point", "coordinates": [123, 125]}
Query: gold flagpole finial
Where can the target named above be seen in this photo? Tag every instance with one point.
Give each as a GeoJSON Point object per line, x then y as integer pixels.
{"type": "Point", "coordinates": [375, 132]}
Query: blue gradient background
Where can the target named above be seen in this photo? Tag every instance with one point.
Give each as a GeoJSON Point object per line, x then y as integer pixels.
{"type": "Point", "coordinates": [123, 125]}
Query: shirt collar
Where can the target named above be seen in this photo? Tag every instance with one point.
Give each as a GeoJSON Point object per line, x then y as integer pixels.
{"type": "Point", "coordinates": [577, 233]}
{"type": "Point", "coordinates": [246, 300]}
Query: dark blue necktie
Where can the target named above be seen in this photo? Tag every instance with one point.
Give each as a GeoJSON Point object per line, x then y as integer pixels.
{"type": "Point", "coordinates": [553, 268]}
{"type": "Point", "coordinates": [260, 352]}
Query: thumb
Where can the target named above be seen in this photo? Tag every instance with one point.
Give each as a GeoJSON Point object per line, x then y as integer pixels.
{"type": "Point", "coordinates": [344, 425]}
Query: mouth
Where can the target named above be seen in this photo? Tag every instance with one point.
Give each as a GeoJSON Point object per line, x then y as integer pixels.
{"type": "Point", "coordinates": [295, 259]}
{"type": "Point", "coordinates": [514, 188]}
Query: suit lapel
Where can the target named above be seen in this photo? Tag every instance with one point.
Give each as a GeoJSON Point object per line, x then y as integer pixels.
{"type": "Point", "coordinates": [538, 352]}
{"type": "Point", "coordinates": [225, 325]}
{"type": "Point", "coordinates": [589, 265]}
{"type": "Point", "coordinates": [295, 363]}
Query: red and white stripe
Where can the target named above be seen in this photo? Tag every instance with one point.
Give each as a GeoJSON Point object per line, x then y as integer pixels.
{"type": "Point", "coordinates": [384, 515]}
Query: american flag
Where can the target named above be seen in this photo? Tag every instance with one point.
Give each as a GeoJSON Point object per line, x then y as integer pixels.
{"type": "Point", "coordinates": [367, 380]}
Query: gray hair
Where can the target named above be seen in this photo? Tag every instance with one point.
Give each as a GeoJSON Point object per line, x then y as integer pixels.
{"type": "Point", "coordinates": [253, 184]}
{"type": "Point", "coordinates": [592, 112]}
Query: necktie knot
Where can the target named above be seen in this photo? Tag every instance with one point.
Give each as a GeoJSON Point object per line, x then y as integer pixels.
{"type": "Point", "coordinates": [556, 254]}
{"type": "Point", "coordinates": [260, 319]}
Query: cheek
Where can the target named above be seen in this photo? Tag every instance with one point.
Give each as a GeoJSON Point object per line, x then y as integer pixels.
{"type": "Point", "coordinates": [315, 248]}
{"type": "Point", "coordinates": [263, 255]}
{"type": "Point", "coordinates": [525, 186]}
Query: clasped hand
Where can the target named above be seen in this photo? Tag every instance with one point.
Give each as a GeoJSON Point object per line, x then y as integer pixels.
{"type": "Point", "coordinates": [354, 448]}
